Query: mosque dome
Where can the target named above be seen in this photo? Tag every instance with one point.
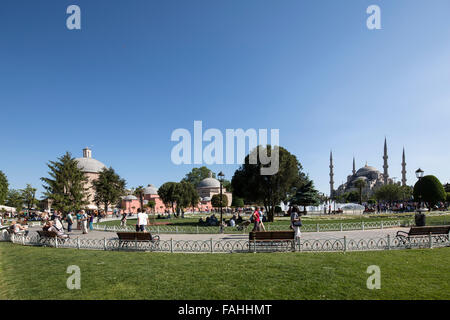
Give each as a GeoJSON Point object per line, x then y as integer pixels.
{"type": "Point", "coordinates": [87, 164]}
{"type": "Point", "coordinates": [366, 170]}
{"type": "Point", "coordinates": [209, 182]}
{"type": "Point", "coordinates": [150, 189]}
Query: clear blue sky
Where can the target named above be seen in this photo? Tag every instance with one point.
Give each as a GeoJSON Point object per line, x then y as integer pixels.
{"type": "Point", "coordinates": [140, 69]}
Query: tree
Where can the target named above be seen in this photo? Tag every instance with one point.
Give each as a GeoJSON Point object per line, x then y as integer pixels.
{"type": "Point", "coordinates": [430, 190]}
{"type": "Point", "coordinates": [14, 199]}
{"type": "Point", "coordinates": [237, 202]}
{"type": "Point", "coordinates": [29, 197]}
{"type": "Point", "coordinates": [448, 197]}
{"type": "Point", "coordinates": [169, 195]}
{"type": "Point", "coordinates": [248, 183]}
{"type": "Point", "coordinates": [4, 185]}
{"type": "Point", "coordinates": [188, 195]}
{"type": "Point", "coordinates": [139, 193]}
{"type": "Point", "coordinates": [198, 174]}
{"type": "Point", "coordinates": [226, 184]}
{"type": "Point", "coordinates": [66, 184]}
{"type": "Point", "coordinates": [388, 193]}
{"type": "Point", "coordinates": [360, 184]}
{"type": "Point", "coordinates": [151, 204]}
{"type": "Point", "coordinates": [305, 194]}
{"type": "Point", "coordinates": [217, 202]}
{"type": "Point", "coordinates": [109, 187]}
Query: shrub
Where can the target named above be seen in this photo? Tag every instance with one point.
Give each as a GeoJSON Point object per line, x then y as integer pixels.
{"type": "Point", "coordinates": [429, 189]}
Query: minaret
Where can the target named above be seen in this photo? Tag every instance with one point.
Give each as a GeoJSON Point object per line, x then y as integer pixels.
{"type": "Point", "coordinates": [331, 175]}
{"type": "Point", "coordinates": [385, 165]}
{"type": "Point", "coordinates": [354, 167]}
{"type": "Point", "coordinates": [403, 168]}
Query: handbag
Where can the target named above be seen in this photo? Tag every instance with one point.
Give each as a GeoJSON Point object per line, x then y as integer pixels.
{"type": "Point", "coordinates": [298, 224]}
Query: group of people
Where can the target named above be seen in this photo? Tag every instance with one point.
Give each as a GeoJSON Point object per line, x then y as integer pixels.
{"type": "Point", "coordinates": [257, 218]}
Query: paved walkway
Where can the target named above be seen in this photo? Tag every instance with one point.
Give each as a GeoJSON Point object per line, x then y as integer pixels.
{"type": "Point", "coordinates": [357, 234]}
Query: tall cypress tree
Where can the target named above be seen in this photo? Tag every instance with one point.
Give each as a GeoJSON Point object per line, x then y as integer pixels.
{"type": "Point", "coordinates": [3, 188]}
{"type": "Point", "coordinates": [66, 185]}
{"type": "Point", "coordinates": [108, 188]}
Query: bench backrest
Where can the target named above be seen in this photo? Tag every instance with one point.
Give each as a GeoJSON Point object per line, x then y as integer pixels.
{"type": "Point", "coordinates": [419, 231]}
{"type": "Point", "coordinates": [49, 234]}
{"type": "Point", "coordinates": [271, 235]}
{"type": "Point", "coordinates": [134, 236]}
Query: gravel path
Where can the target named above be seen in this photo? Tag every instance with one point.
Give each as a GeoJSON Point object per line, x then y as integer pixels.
{"type": "Point", "coordinates": [357, 234]}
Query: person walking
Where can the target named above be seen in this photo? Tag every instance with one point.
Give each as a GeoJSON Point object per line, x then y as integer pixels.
{"type": "Point", "coordinates": [142, 220]}
{"type": "Point", "coordinates": [261, 219]}
{"type": "Point", "coordinates": [91, 221]}
{"type": "Point", "coordinates": [78, 217]}
{"type": "Point", "coordinates": [256, 220]}
{"type": "Point", "coordinates": [296, 222]}
{"type": "Point", "coordinates": [123, 221]}
{"type": "Point", "coordinates": [69, 219]}
{"type": "Point", "coordinates": [84, 220]}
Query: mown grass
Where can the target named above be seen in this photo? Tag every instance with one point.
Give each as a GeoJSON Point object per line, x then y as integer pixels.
{"type": "Point", "coordinates": [40, 273]}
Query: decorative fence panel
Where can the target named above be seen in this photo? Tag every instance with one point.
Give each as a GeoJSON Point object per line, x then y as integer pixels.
{"type": "Point", "coordinates": [235, 246]}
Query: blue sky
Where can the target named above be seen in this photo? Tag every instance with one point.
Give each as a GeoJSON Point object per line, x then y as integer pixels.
{"type": "Point", "coordinates": [140, 69]}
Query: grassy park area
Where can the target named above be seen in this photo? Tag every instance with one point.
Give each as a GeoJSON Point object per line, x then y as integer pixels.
{"type": "Point", "coordinates": [40, 273]}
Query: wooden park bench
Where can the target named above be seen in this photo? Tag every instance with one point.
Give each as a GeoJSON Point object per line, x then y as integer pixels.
{"type": "Point", "coordinates": [442, 233]}
{"type": "Point", "coordinates": [272, 238]}
{"type": "Point", "coordinates": [45, 237]}
{"type": "Point", "coordinates": [127, 238]}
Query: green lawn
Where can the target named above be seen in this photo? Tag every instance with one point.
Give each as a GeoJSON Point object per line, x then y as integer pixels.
{"type": "Point", "coordinates": [40, 273]}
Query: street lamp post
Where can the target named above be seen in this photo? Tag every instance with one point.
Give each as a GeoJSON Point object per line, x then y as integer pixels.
{"type": "Point", "coordinates": [420, 217]}
{"type": "Point", "coordinates": [221, 175]}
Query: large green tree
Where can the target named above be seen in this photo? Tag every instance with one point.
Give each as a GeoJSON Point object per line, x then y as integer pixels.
{"type": "Point", "coordinates": [430, 190]}
{"type": "Point", "coordinates": [393, 192]}
{"type": "Point", "coordinates": [4, 185]}
{"type": "Point", "coordinates": [109, 187]}
{"type": "Point", "coordinates": [271, 190]}
{"type": "Point", "coordinates": [66, 185]}
{"type": "Point", "coordinates": [188, 195]}
{"type": "Point", "coordinates": [169, 194]}
{"type": "Point", "coordinates": [237, 202]}
{"type": "Point", "coordinates": [305, 194]}
{"type": "Point", "coordinates": [198, 174]}
{"type": "Point", "coordinates": [14, 199]}
{"type": "Point", "coordinates": [29, 197]}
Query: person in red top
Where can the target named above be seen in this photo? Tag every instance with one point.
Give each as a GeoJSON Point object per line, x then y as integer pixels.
{"type": "Point", "coordinates": [256, 220]}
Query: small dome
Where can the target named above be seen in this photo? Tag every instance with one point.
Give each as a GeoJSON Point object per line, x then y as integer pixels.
{"type": "Point", "coordinates": [150, 189]}
{"type": "Point", "coordinates": [209, 182]}
{"type": "Point", "coordinates": [129, 198]}
{"type": "Point", "coordinates": [87, 164]}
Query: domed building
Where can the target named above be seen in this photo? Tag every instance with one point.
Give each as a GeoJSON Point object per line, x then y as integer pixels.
{"type": "Point", "coordinates": [91, 168]}
{"type": "Point", "coordinates": [372, 177]}
{"type": "Point", "coordinates": [209, 187]}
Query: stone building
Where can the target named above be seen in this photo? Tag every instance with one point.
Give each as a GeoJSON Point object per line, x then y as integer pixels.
{"type": "Point", "coordinates": [372, 177]}
{"type": "Point", "coordinates": [91, 168]}
{"type": "Point", "coordinates": [209, 187]}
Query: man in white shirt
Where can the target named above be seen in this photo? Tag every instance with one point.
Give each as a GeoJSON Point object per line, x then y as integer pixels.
{"type": "Point", "coordinates": [142, 220]}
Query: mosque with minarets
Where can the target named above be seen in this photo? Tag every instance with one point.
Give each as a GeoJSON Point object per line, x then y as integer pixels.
{"type": "Point", "coordinates": [371, 176]}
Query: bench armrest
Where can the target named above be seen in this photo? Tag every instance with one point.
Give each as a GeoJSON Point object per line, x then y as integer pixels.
{"type": "Point", "coordinates": [402, 234]}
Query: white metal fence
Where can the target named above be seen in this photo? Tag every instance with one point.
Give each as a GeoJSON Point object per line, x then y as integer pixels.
{"type": "Point", "coordinates": [234, 246]}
